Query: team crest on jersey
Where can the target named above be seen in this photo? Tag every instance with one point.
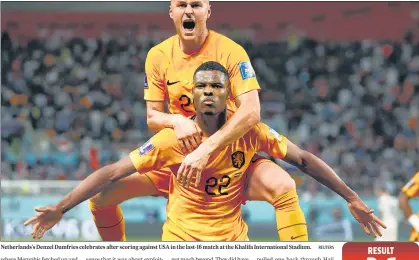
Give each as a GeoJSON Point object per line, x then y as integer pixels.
{"type": "Point", "coordinates": [275, 133]}
{"type": "Point", "coordinates": [146, 148]}
{"type": "Point", "coordinates": [238, 160]}
{"type": "Point", "coordinates": [246, 70]}
{"type": "Point", "coordinates": [145, 81]}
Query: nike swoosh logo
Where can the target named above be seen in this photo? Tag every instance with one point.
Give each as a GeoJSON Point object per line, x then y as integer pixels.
{"type": "Point", "coordinates": [292, 237]}
{"type": "Point", "coordinates": [172, 83]}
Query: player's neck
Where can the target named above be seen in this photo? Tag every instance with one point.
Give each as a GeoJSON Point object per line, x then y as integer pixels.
{"type": "Point", "coordinates": [193, 46]}
{"type": "Point", "coordinates": [210, 124]}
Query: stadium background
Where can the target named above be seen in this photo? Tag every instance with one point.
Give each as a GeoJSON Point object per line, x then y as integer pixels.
{"type": "Point", "coordinates": [340, 79]}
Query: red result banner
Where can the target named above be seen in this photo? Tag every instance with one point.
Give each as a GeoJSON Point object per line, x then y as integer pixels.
{"type": "Point", "coordinates": [380, 251]}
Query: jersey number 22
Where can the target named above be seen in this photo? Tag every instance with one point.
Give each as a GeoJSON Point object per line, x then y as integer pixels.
{"type": "Point", "coordinates": [213, 182]}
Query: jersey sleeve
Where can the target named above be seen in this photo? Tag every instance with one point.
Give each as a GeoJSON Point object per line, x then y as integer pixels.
{"type": "Point", "coordinates": [154, 85]}
{"type": "Point", "coordinates": [411, 189]}
{"type": "Point", "coordinates": [242, 75]}
{"type": "Point", "coordinates": [267, 140]}
{"type": "Point", "coordinates": [160, 151]}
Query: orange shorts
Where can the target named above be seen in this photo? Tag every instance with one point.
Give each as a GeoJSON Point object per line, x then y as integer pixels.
{"type": "Point", "coordinates": [161, 178]}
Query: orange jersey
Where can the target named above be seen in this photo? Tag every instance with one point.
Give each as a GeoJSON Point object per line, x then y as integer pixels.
{"type": "Point", "coordinates": [411, 189]}
{"type": "Point", "coordinates": [212, 211]}
{"type": "Point", "coordinates": [169, 71]}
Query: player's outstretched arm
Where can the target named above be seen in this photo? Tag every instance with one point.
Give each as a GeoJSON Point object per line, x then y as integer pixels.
{"type": "Point", "coordinates": [404, 205]}
{"type": "Point", "coordinates": [319, 170]}
{"type": "Point", "coordinates": [93, 184]}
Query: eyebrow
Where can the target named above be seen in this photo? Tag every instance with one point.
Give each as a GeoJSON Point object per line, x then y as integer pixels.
{"type": "Point", "coordinates": [210, 82]}
{"type": "Point", "coordinates": [194, 2]}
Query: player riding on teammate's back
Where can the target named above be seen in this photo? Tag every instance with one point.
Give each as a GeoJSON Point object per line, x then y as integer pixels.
{"type": "Point", "coordinates": [211, 210]}
{"type": "Point", "coordinates": [169, 69]}
{"type": "Point", "coordinates": [169, 74]}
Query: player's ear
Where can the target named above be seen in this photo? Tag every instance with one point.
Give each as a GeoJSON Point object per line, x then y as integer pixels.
{"type": "Point", "coordinates": [170, 12]}
{"type": "Point", "coordinates": [209, 11]}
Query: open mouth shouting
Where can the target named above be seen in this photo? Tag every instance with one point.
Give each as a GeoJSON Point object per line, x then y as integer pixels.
{"type": "Point", "coordinates": [188, 25]}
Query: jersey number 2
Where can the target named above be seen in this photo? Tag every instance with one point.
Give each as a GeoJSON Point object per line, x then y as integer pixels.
{"type": "Point", "coordinates": [185, 101]}
{"type": "Point", "coordinates": [213, 182]}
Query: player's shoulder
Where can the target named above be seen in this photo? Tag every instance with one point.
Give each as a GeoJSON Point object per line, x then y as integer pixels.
{"type": "Point", "coordinates": [163, 48]}
{"type": "Point", "coordinates": [227, 43]}
{"type": "Point", "coordinates": [262, 128]}
{"type": "Point", "coordinates": [257, 130]}
{"type": "Point", "coordinates": [166, 133]}
{"type": "Point", "coordinates": [165, 138]}
{"type": "Point", "coordinates": [221, 37]}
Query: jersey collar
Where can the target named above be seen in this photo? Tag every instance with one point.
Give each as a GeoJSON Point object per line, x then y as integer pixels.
{"type": "Point", "coordinates": [202, 50]}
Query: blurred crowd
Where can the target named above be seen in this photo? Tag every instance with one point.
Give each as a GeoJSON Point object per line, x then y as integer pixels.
{"type": "Point", "coordinates": [71, 105]}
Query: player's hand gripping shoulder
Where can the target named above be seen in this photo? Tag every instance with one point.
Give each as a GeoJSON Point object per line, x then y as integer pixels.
{"type": "Point", "coordinates": [187, 133]}
{"type": "Point", "coordinates": [189, 136]}
{"type": "Point", "coordinates": [246, 117]}
{"type": "Point", "coordinates": [193, 165]}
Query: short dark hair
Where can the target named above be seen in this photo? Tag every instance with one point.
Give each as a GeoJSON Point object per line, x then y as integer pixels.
{"type": "Point", "coordinates": [211, 65]}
